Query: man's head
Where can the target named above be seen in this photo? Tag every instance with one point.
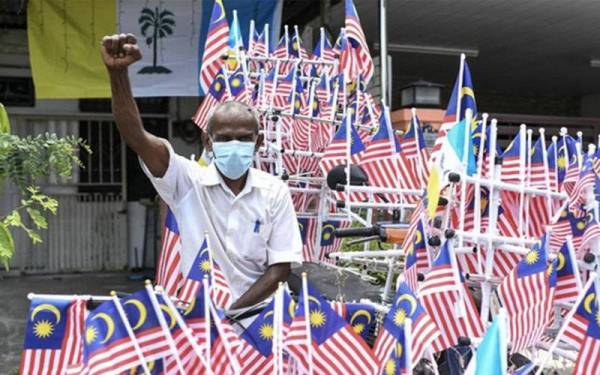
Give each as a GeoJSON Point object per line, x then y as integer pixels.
{"type": "Point", "coordinates": [232, 134]}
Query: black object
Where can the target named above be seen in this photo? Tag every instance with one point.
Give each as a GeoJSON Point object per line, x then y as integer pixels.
{"type": "Point", "coordinates": [453, 177]}
{"type": "Point", "coordinates": [434, 241]}
{"type": "Point", "coordinates": [337, 175]}
{"type": "Point", "coordinates": [589, 258]}
{"type": "Point", "coordinates": [449, 233]}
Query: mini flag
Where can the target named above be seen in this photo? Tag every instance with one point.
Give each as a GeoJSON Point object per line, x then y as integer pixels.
{"type": "Point", "coordinates": [336, 348]}
{"type": "Point", "coordinates": [168, 274]}
{"type": "Point", "coordinates": [216, 45]}
{"type": "Point", "coordinates": [53, 336]}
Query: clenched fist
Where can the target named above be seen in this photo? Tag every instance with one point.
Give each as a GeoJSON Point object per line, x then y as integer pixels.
{"type": "Point", "coordinates": [119, 51]}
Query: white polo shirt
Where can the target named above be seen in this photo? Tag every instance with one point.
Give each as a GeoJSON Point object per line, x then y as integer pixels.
{"type": "Point", "coordinates": [247, 232]}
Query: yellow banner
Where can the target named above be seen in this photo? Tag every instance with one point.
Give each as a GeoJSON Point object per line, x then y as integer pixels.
{"type": "Point", "coordinates": [64, 47]}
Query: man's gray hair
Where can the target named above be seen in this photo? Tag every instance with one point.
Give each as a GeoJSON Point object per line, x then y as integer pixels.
{"type": "Point", "coordinates": [237, 110]}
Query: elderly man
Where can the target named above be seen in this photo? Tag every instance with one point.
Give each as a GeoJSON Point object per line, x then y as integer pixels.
{"type": "Point", "coordinates": [248, 214]}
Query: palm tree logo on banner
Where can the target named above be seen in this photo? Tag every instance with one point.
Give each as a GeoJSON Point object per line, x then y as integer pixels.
{"type": "Point", "coordinates": [161, 24]}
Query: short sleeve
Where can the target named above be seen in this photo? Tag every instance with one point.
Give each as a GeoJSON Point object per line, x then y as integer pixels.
{"type": "Point", "coordinates": [285, 243]}
{"type": "Point", "coordinates": [176, 181]}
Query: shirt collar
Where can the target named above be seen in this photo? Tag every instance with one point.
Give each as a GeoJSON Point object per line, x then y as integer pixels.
{"type": "Point", "coordinates": [212, 178]}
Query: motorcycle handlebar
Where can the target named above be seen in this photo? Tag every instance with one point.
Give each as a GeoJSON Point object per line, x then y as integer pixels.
{"type": "Point", "coordinates": [356, 232]}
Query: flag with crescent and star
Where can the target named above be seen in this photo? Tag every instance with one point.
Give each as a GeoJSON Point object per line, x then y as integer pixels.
{"type": "Point", "coordinates": [362, 317]}
{"type": "Point", "coordinates": [393, 345]}
{"type": "Point", "coordinates": [336, 348]}
{"type": "Point", "coordinates": [525, 293]}
{"type": "Point", "coordinates": [568, 283]}
{"type": "Point", "coordinates": [205, 265]}
{"type": "Point", "coordinates": [143, 319]}
{"type": "Point", "coordinates": [256, 355]}
{"type": "Point", "coordinates": [107, 346]}
{"type": "Point", "coordinates": [583, 333]}
{"type": "Point", "coordinates": [168, 274]}
{"type": "Point", "coordinates": [53, 336]}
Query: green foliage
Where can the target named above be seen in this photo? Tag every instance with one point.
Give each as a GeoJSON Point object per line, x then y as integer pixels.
{"type": "Point", "coordinates": [22, 161]}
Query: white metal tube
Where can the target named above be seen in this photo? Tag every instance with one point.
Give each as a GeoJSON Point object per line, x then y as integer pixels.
{"type": "Point", "coordinates": [307, 323]}
{"type": "Point", "coordinates": [383, 46]}
{"type": "Point", "coordinates": [164, 326]}
{"type": "Point", "coordinates": [136, 344]}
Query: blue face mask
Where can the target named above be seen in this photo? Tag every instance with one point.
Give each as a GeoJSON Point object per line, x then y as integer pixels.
{"type": "Point", "coordinates": [233, 158]}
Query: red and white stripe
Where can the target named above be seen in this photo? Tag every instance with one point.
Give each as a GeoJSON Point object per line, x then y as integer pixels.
{"type": "Point", "coordinates": [441, 295]}
{"type": "Point", "coordinates": [168, 273]}
{"type": "Point", "coordinates": [588, 361]}
{"type": "Point", "coordinates": [423, 332]}
{"type": "Point", "coordinates": [526, 301]}
{"type": "Point", "coordinates": [215, 47]}
{"type": "Point", "coordinates": [344, 352]}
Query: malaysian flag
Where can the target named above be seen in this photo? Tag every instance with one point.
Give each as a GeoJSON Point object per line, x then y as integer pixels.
{"type": "Point", "coordinates": [585, 328]}
{"type": "Point", "coordinates": [564, 152]}
{"type": "Point", "coordinates": [380, 158]}
{"type": "Point", "coordinates": [168, 274]}
{"type": "Point", "coordinates": [329, 242]}
{"type": "Point", "coordinates": [585, 182]}
{"type": "Point", "coordinates": [591, 234]}
{"type": "Point", "coordinates": [205, 265]}
{"type": "Point", "coordinates": [461, 99]}
{"type": "Point", "coordinates": [308, 233]}
{"type": "Point", "coordinates": [283, 90]}
{"type": "Point", "coordinates": [145, 325]}
{"type": "Point", "coordinates": [216, 46]}
{"type": "Point", "coordinates": [537, 169]}
{"type": "Point", "coordinates": [107, 346]}
{"type": "Point", "coordinates": [336, 153]}
{"type": "Point", "coordinates": [358, 43]}
{"type": "Point", "coordinates": [525, 293]}
{"type": "Point", "coordinates": [258, 43]}
{"type": "Point", "coordinates": [296, 49]}
{"type": "Point", "coordinates": [238, 86]}
{"type": "Point", "coordinates": [53, 336]}
{"type": "Point", "coordinates": [361, 317]}
{"type": "Point", "coordinates": [449, 302]}
{"type": "Point", "coordinates": [335, 347]}
{"type": "Point", "coordinates": [323, 50]}
{"type": "Point", "coordinates": [416, 250]}
{"type": "Point", "coordinates": [413, 141]}
{"type": "Point", "coordinates": [512, 161]}
{"type": "Point", "coordinates": [567, 225]}
{"type": "Point", "coordinates": [393, 345]}
{"type": "Point", "coordinates": [217, 93]}
{"type": "Point", "coordinates": [221, 336]}
{"type": "Point", "coordinates": [568, 283]}
{"type": "Point", "coordinates": [256, 354]}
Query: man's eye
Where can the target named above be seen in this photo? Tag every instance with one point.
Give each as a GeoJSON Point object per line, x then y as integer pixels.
{"type": "Point", "coordinates": [246, 139]}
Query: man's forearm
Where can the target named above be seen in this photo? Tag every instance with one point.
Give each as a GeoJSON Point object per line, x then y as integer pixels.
{"type": "Point", "coordinates": [264, 286]}
{"type": "Point", "coordinates": [129, 123]}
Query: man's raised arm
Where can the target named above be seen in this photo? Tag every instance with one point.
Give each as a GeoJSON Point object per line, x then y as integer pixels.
{"type": "Point", "coordinates": [118, 52]}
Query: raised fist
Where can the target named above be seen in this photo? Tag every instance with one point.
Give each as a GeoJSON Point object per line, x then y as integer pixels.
{"type": "Point", "coordinates": [119, 51]}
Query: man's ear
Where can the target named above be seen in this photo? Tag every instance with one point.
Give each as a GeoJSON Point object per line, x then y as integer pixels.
{"type": "Point", "coordinates": [259, 142]}
{"type": "Point", "coordinates": [206, 142]}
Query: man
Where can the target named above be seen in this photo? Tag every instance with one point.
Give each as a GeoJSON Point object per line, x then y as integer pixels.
{"type": "Point", "coordinates": [247, 214]}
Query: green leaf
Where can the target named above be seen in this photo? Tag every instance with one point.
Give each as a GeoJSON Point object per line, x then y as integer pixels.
{"type": "Point", "coordinates": [13, 219]}
{"type": "Point", "coordinates": [33, 236]}
{"type": "Point", "coordinates": [7, 245]}
{"type": "Point", "coordinates": [38, 219]}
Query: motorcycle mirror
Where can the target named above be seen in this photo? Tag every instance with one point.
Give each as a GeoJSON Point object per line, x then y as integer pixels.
{"type": "Point", "coordinates": [337, 175]}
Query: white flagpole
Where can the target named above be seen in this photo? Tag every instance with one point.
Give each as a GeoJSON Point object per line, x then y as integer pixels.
{"type": "Point", "coordinates": [527, 211]}
{"type": "Point", "coordinates": [187, 332]}
{"type": "Point", "coordinates": [136, 344]}
{"type": "Point", "coordinates": [555, 144]}
{"type": "Point", "coordinates": [493, 199]}
{"type": "Point", "coordinates": [408, 344]}
{"type": "Point", "coordinates": [277, 330]}
{"type": "Point", "coordinates": [522, 150]}
{"type": "Point", "coordinates": [163, 325]}
{"type": "Point", "coordinates": [477, 188]}
{"type": "Point", "coordinates": [566, 321]}
{"type": "Point", "coordinates": [463, 181]}
{"type": "Point", "coordinates": [461, 70]}
{"type": "Point", "coordinates": [348, 156]}
{"type": "Point", "coordinates": [206, 296]}
{"type": "Point", "coordinates": [219, 325]}
{"type": "Point", "coordinates": [286, 37]}
{"type": "Point", "coordinates": [307, 323]}
{"type": "Point", "coordinates": [546, 172]}
{"type": "Point", "coordinates": [251, 37]}
{"type": "Point", "coordinates": [266, 34]}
